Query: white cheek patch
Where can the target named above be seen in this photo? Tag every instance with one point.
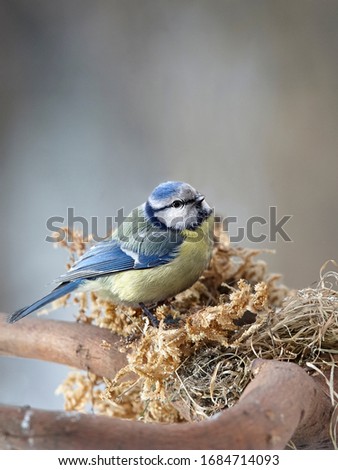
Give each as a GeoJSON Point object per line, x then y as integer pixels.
{"type": "Point", "coordinates": [172, 218]}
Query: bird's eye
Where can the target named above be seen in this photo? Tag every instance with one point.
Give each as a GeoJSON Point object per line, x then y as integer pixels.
{"type": "Point", "coordinates": [177, 204]}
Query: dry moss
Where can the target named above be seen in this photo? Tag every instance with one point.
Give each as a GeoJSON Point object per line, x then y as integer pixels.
{"type": "Point", "coordinates": [200, 364]}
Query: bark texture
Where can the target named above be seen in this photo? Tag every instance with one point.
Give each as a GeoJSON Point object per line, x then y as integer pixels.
{"type": "Point", "coordinates": [281, 403]}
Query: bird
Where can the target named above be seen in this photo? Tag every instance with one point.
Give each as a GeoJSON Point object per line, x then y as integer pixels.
{"type": "Point", "coordinates": [159, 250]}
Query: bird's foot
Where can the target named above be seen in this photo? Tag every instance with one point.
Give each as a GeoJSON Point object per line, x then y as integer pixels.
{"type": "Point", "coordinates": [153, 320]}
{"type": "Point", "coordinates": [170, 320]}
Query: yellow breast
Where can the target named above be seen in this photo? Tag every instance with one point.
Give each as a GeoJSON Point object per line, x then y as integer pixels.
{"type": "Point", "coordinates": [162, 282]}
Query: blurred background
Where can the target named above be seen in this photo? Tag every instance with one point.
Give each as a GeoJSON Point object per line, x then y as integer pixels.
{"type": "Point", "coordinates": [102, 100]}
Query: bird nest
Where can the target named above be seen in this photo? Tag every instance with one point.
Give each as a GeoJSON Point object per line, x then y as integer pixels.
{"type": "Point", "coordinates": [200, 362]}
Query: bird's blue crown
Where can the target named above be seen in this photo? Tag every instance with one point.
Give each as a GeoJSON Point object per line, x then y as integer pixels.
{"type": "Point", "coordinates": [165, 190]}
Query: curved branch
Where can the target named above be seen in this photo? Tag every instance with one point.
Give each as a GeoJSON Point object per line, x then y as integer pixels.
{"type": "Point", "coordinates": [282, 402]}
{"type": "Point", "coordinates": [78, 345]}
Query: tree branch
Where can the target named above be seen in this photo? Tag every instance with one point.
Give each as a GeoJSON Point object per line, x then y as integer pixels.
{"type": "Point", "coordinates": [74, 344]}
{"type": "Point", "coordinates": [281, 402]}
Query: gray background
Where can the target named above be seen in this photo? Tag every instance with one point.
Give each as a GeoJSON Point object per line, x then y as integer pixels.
{"type": "Point", "coordinates": [102, 100]}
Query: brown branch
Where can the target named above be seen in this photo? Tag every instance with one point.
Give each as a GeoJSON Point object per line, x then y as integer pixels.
{"type": "Point", "coordinates": [74, 344]}
{"type": "Point", "coordinates": [282, 402]}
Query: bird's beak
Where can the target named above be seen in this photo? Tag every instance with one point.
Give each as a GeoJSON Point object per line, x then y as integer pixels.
{"type": "Point", "coordinates": [199, 199]}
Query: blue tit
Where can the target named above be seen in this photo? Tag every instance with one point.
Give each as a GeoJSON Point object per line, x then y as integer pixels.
{"type": "Point", "coordinates": [160, 249]}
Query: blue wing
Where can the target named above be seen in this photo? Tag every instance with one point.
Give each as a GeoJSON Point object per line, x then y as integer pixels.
{"type": "Point", "coordinates": [110, 257]}
{"type": "Point", "coordinates": [147, 248]}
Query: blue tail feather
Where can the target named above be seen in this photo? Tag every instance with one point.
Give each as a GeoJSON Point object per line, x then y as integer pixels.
{"type": "Point", "coordinates": [57, 293]}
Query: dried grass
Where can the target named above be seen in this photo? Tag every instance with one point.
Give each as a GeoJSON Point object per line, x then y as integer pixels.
{"type": "Point", "coordinates": [200, 365]}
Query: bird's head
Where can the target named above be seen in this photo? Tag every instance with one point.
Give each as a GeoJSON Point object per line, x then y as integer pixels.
{"type": "Point", "coordinates": [177, 206]}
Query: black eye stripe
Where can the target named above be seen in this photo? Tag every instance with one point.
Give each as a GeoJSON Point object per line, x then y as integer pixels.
{"type": "Point", "coordinates": [168, 206]}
